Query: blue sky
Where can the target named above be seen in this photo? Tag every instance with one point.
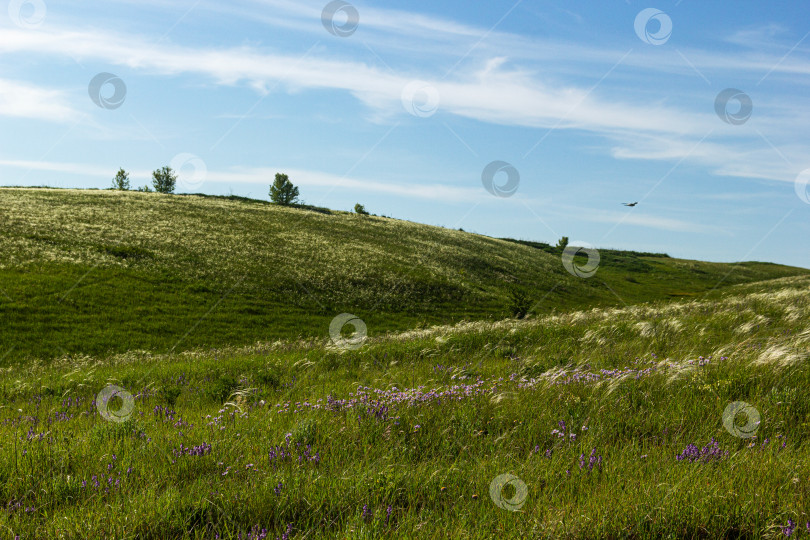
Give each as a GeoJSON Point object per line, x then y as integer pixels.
{"type": "Point", "coordinates": [592, 103]}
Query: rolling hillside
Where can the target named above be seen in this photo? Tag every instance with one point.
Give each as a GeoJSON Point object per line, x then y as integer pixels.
{"type": "Point", "coordinates": [615, 421]}
{"type": "Point", "coordinates": [677, 415]}
{"type": "Point", "coordinates": [102, 272]}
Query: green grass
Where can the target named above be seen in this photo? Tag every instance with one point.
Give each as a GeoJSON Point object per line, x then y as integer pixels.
{"type": "Point", "coordinates": [102, 272]}
{"type": "Point", "coordinates": [212, 315]}
{"type": "Point", "coordinates": [428, 457]}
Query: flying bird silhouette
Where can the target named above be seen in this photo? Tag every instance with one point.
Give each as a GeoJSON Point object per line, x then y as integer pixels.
{"type": "Point", "coordinates": [630, 203]}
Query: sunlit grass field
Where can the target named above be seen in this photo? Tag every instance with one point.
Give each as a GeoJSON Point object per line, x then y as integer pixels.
{"type": "Point", "coordinates": [106, 272]}
{"type": "Point", "coordinates": [168, 372]}
{"type": "Point", "coordinates": [611, 418]}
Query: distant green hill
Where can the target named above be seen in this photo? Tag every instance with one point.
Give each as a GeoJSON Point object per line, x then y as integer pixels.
{"type": "Point", "coordinates": [97, 272]}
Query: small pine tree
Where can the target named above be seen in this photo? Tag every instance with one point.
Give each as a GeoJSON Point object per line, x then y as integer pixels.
{"type": "Point", "coordinates": [360, 210]}
{"type": "Point", "coordinates": [282, 191]}
{"type": "Point", "coordinates": [164, 180]}
{"type": "Point", "coordinates": [121, 180]}
{"type": "Point", "coordinates": [562, 243]}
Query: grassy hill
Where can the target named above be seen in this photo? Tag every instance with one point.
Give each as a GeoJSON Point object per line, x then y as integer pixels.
{"type": "Point", "coordinates": [615, 420]}
{"type": "Point", "coordinates": [103, 272]}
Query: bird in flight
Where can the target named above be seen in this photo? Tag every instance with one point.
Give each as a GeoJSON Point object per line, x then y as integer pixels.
{"type": "Point", "coordinates": [630, 203]}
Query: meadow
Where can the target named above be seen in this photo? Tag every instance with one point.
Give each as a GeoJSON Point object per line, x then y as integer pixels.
{"type": "Point", "coordinates": [680, 415]}
{"type": "Point", "coordinates": [101, 272]}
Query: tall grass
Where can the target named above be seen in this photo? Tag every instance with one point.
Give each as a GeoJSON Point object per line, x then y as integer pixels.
{"type": "Point", "coordinates": [101, 272]}
{"type": "Point", "coordinates": [404, 436]}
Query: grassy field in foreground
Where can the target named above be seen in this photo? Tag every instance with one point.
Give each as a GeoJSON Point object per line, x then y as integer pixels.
{"type": "Point", "coordinates": [105, 272]}
{"type": "Point", "coordinates": [612, 418]}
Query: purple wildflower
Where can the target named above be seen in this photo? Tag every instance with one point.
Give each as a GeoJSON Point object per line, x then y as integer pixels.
{"type": "Point", "coordinates": [255, 533]}
{"type": "Point", "coordinates": [594, 460]}
{"type": "Point", "coordinates": [199, 450]}
{"type": "Point", "coordinates": [710, 452]}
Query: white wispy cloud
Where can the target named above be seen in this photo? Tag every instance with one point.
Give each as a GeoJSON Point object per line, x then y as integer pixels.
{"type": "Point", "coordinates": [494, 93]}
{"type": "Point", "coordinates": [414, 33]}
{"type": "Point", "coordinates": [650, 222]}
{"type": "Point", "coordinates": [25, 100]}
{"type": "Point", "coordinates": [265, 175]}
{"type": "Point", "coordinates": [56, 166]}
{"type": "Point", "coordinates": [428, 191]}
{"type": "Point", "coordinates": [760, 36]}
{"type": "Point", "coordinates": [760, 49]}
{"type": "Point", "coordinates": [755, 158]}
{"type": "Point", "coordinates": [309, 178]}
{"type": "Point", "coordinates": [493, 86]}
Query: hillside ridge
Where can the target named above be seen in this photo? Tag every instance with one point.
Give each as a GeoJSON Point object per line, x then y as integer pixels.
{"type": "Point", "coordinates": [100, 272]}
